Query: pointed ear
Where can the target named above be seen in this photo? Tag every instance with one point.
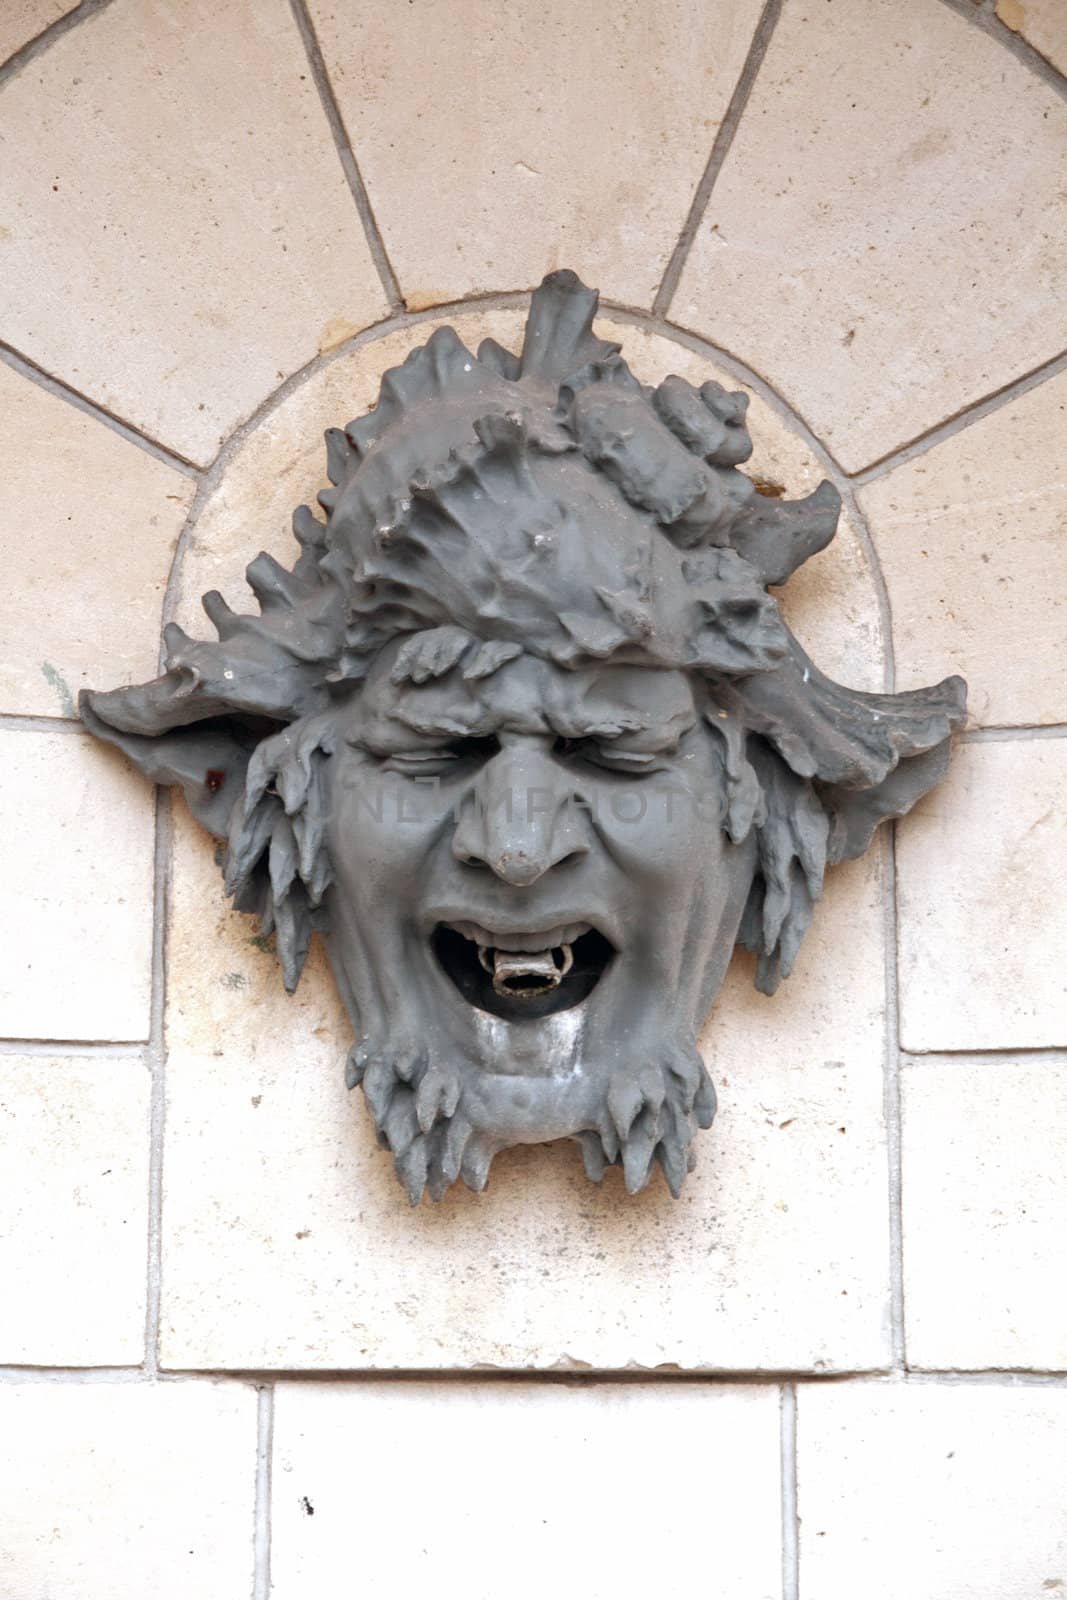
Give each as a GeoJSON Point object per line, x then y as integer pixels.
{"type": "Point", "coordinates": [205, 761]}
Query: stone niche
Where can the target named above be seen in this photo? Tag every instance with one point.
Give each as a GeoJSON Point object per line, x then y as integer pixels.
{"type": "Point", "coordinates": [287, 1242]}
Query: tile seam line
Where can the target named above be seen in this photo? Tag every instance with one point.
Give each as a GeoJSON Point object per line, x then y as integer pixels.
{"type": "Point", "coordinates": [984, 17]}
{"type": "Point", "coordinates": [1008, 734]}
{"type": "Point", "coordinates": [156, 1058]}
{"type": "Point", "coordinates": [720, 150]}
{"type": "Point", "coordinates": [258, 1379]}
{"type": "Point", "coordinates": [967, 416]}
{"type": "Point", "coordinates": [43, 41]}
{"type": "Point", "coordinates": [987, 23]}
{"type": "Point", "coordinates": [1009, 40]}
{"type": "Point", "coordinates": [117, 1049]}
{"type": "Point", "coordinates": [86, 12]}
{"type": "Point", "coordinates": [34, 373]}
{"type": "Point", "coordinates": [790, 1520]}
{"type": "Point", "coordinates": [723, 1377]}
{"type": "Point", "coordinates": [28, 722]}
{"type": "Point", "coordinates": [1036, 1054]}
{"type": "Point", "coordinates": [893, 1104]}
{"type": "Point", "coordinates": [263, 1507]}
{"type": "Point", "coordinates": [320, 77]}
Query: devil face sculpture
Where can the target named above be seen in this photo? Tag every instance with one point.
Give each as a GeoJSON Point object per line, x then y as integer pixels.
{"type": "Point", "coordinates": [525, 738]}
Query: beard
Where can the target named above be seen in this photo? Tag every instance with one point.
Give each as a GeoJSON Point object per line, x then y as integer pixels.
{"type": "Point", "coordinates": [436, 1112]}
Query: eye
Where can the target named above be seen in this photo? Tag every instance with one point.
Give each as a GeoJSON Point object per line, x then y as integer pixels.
{"type": "Point", "coordinates": [434, 761]}
{"type": "Point", "coordinates": [608, 757]}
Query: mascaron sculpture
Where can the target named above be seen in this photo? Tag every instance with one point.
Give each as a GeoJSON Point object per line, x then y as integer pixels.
{"type": "Point", "coordinates": [525, 738]}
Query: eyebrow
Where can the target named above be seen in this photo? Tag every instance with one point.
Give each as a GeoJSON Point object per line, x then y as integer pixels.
{"type": "Point", "coordinates": [615, 727]}
{"type": "Point", "coordinates": [475, 719]}
{"type": "Point", "coordinates": [608, 727]}
{"type": "Point", "coordinates": [439, 726]}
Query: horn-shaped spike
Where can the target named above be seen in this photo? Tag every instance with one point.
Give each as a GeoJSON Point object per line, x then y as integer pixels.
{"type": "Point", "coordinates": [778, 536]}
{"type": "Point", "coordinates": [175, 640]}
{"type": "Point", "coordinates": [442, 365]}
{"type": "Point", "coordinates": [327, 500]}
{"type": "Point", "coordinates": [272, 585]}
{"type": "Point", "coordinates": [501, 361]}
{"type": "Point", "coordinates": [339, 455]}
{"type": "Point", "coordinates": [224, 620]}
{"type": "Point", "coordinates": [559, 335]}
{"type": "Point", "coordinates": [308, 530]}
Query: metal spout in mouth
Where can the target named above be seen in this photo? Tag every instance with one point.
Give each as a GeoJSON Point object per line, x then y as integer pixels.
{"type": "Point", "coordinates": [524, 974]}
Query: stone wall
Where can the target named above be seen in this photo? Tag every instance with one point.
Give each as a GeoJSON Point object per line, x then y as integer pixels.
{"type": "Point", "coordinates": [232, 1361]}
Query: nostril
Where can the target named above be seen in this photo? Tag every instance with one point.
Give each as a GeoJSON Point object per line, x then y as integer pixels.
{"type": "Point", "coordinates": [471, 858]}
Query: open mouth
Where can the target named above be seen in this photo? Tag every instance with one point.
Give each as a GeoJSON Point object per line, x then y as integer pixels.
{"type": "Point", "coordinates": [526, 975]}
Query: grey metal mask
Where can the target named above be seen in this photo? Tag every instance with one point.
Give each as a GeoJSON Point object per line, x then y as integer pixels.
{"type": "Point", "coordinates": [525, 738]}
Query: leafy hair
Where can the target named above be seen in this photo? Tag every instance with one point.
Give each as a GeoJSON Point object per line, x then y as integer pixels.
{"type": "Point", "coordinates": [548, 502]}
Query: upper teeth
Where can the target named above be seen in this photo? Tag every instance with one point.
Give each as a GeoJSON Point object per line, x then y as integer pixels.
{"type": "Point", "coordinates": [537, 971]}
{"type": "Point", "coordinates": [547, 939]}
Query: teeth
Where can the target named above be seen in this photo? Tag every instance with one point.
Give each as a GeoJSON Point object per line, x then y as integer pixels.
{"type": "Point", "coordinates": [524, 974]}
{"type": "Point", "coordinates": [547, 939]}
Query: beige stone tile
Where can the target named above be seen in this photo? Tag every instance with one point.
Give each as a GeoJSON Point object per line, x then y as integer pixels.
{"type": "Point", "coordinates": [546, 1475]}
{"type": "Point", "coordinates": [500, 142]}
{"type": "Point", "coordinates": [982, 864]}
{"type": "Point", "coordinates": [23, 20]}
{"type": "Point", "coordinates": [76, 838]}
{"type": "Point", "coordinates": [288, 1242]}
{"type": "Point", "coordinates": [116, 1491]}
{"type": "Point", "coordinates": [884, 242]}
{"type": "Point", "coordinates": [176, 148]}
{"type": "Point", "coordinates": [985, 1213]}
{"type": "Point", "coordinates": [73, 1210]}
{"type": "Point", "coordinates": [948, 1492]}
{"type": "Point", "coordinates": [1042, 23]}
{"type": "Point", "coordinates": [831, 602]}
{"type": "Point", "coordinates": [972, 538]}
{"type": "Point", "coordinates": [88, 526]}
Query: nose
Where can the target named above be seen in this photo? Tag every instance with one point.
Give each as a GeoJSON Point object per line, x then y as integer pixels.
{"type": "Point", "coordinates": [519, 819]}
